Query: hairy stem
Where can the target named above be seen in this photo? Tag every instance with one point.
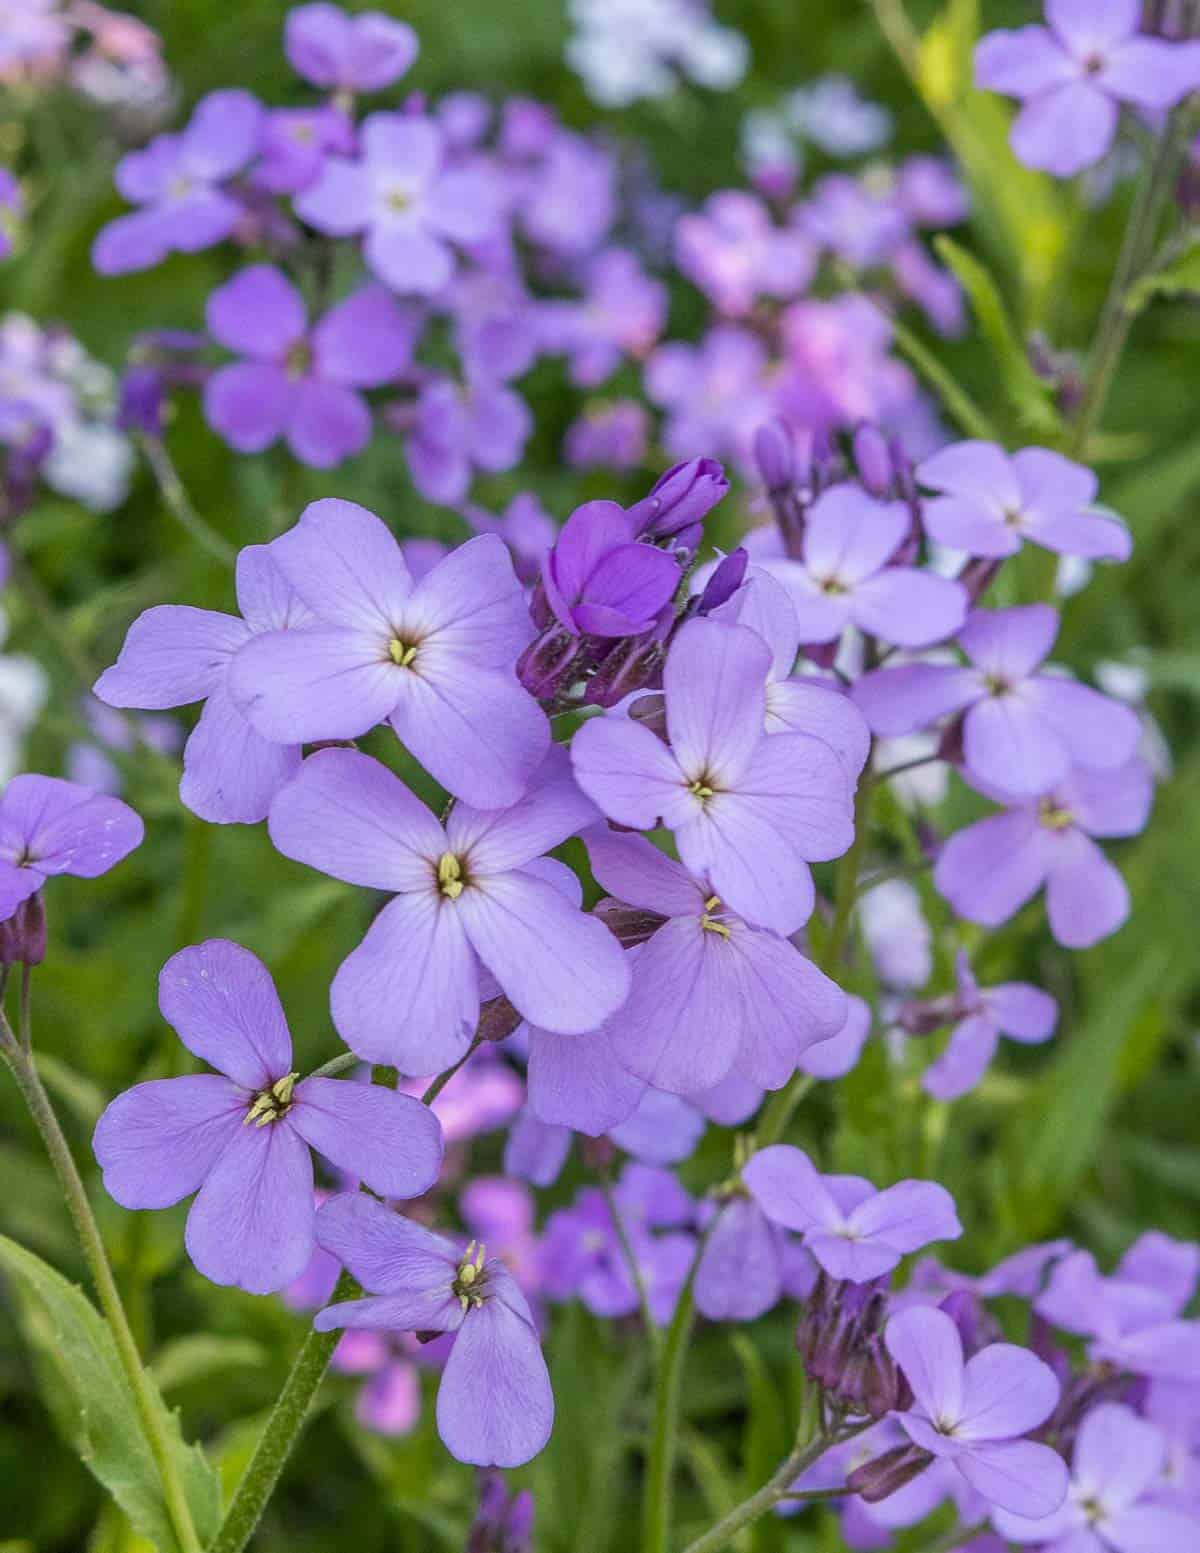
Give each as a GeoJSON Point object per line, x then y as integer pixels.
{"type": "Point", "coordinates": [21, 1064]}
{"type": "Point", "coordinates": [653, 1335]}
{"type": "Point", "coordinates": [179, 504]}
{"type": "Point", "coordinates": [775, 1489]}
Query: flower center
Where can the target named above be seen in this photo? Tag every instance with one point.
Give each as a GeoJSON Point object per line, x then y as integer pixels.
{"type": "Point", "coordinates": [702, 787]}
{"type": "Point", "coordinates": [1093, 64]}
{"type": "Point", "coordinates": [398, 200]}
{"type": "Point", "coordinates": [997, 685]}
{"type": "Point", "coordinates": [298, 359]}
{"type": "Point", "coordinates": [831, 585]}
{"type": "Point", "coordinates": [270, 1104]}
{"type": "Point", "coordinates": [470, 1283]}
{"type": "Point", "coordinates": [402, 653]}
{"type": "Point", "coordinates": [709, 923]}
{"type": "Point", "coordinates": [1053, 816]}
{"type": "Point", "coordinates": [179, 187]}
{"type": "Point", "coordinates": [450, 876]}
{"type": "Point", "coordinates": [1013, 517]}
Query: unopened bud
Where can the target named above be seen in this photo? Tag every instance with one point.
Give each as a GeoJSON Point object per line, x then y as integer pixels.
{"type": "Point", "coordinates": [631, 665]}
{"type": "Point", "coordinates": [497, 1020]}
{"type": "Point", "coordinates": [651, 712]}
{"type": "Point", "coordinates": [775, 455]}
{"type": "Point", "coordinates": [23, 935]}
{"type": "Point", "coordinates": [887, 1474]}
{"type": "Point", "coordinates": [629, 925]}
{"type": "Point", "coordinates": [873, 459]}
{"type": "Point", "coordinates": [597, 1153]}
{"type": "Point", "coordinates": [727, 578]}
{"type": "Point", "coordinates": [547, 661]}
{"type": "Point", "coordinates": [924, 1017]}
{"type": "Point", "coordinates": [501, 1524]}
{"type": "Point", "coordinates": [679, 502]}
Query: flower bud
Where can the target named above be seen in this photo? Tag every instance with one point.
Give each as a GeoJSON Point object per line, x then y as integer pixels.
{"type": "Point", "coordinates": [873, 459]}
{"type": "Point", "coordinates": [497, 1020]}
{"type": "Point", "coordinates": [631, 665]}
{"type": "Point", "coordinates": [775, 455]}
{"type": "Point", "coordinates": [547, 661]}
{"type": "Point", "coordinates": [726, 579]}
{"type": "Point", "coordinates": [887, 1474]}
{"type": "Point", "coordinates": [679, 502]}
{"type": "Point", "coordinates": [501, 1524]}
{"type": "Point", "coordinates": [143, 397]}
{"type": "Point", "coordinates": [651, 712]}
{"type": "Point", "coordinates": [923, 1018]}
{"type": "Point", "coordinates": [629, 925]}
{"type": "Point", "coordinates": [23, 935]}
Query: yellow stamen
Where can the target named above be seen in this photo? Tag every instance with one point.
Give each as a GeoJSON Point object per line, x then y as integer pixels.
{"type": "Point", "coordinates": [401, 654]}
{"type": "Point", "coordinates": [1054, 818]}
{"type": "Point", "coordinates": [450, 880]}
{"type": "Point", "coordinates": [701, 789]}
{"type": "Point", "coordinates": [272, 1103]}
{"type": "Point", "coordinates": [709, 923]}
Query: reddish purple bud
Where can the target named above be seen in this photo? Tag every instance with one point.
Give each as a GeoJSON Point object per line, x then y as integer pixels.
{"type": "Point", "coordinates": [630, 666]}
{"type": "Point", "coordinates": [23, 935]}
{"type": "Point", "coordinates": [879, 1479]}
{"type": "Point", "coordinates": [497, 1020]}
{"type": "Point", "coordinates": [501, 1524]}
{"type": "Point", "coordinates": [775, 455]}
{"type": "Point", "coordinates": [725, 581]}
{"type": "Point", "coordinates": [547, 660]}
{"type": "Point", "coordinates": [142, 400]}
{"type": "Point", "coordinates": [923, 1018]}
{"type": "Point", "coordinates": [629, 925]}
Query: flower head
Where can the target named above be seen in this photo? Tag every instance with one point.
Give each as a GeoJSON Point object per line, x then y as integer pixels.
{"type": "Point", "coordinates": [345, 53]}
{"type": "Point", "coordinates": [983, 1015]}
{"type": "Point", "coordinates": [50, 827]}
{"type": "Point", "coordinates": [600, 581]}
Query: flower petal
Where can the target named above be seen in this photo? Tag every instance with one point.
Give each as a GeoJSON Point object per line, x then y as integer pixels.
{"type": "Point", "coordinates": [157, 1142]}
{"type": "Point", "coordinates": [902, 700]}
{"type": "Point", "coordinates": [345, 564]}
{"type": "Point", "coordinates": [222, 1003]}
{"type": "Point", "coordinates": [172, 654]}
{"type": "Point", "coordinates": [230, 772]}
{"type": "Point", "coordinates": [630, 774]}
{"type": "Point", "coordinates": [925, 1343]}
{"type": "Point", "coordinates": [738, 1277]}
{"type": "Point", "coordinates": [577, 1081]}
{"type": "Point", "coordinates": [1019, 1476]}
{"type": "Point", "coordinates": [788, 1188]}
{"type": "Point", "coordinates": [715, 685]}
{"type": "Point", "coordinates": [389, 1140]}
{"type": "Point", "coordinates": [297, 687]}
{"type": "Point", "coordinates": [389, 1254]}
{"type": "Point", "coordinates": [1007, 1391]}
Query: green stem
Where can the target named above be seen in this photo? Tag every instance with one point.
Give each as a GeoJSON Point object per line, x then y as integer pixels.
{"type": "Point", "coordinates": [443, 1079]}
{"type": "Point", "coordinates": [958, 1538]}
{"type": "Point", "coordinates": [21, 1065]}
{"type": "Point", "coordinates": [179, 505]}
{"type": "Point", "coordinates": [653, 1335]}
{"type": "Point", "coordinates": [336, 1065]}
{"type": "Point", "coordinates": [768, 1496]}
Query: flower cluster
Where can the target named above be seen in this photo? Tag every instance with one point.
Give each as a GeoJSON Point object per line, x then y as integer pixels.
{"type": "Point", "coordinates": [625, 50]}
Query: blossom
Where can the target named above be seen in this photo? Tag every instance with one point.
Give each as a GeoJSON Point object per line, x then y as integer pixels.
{"type": "Point", "coordinates": [293, 146]}
{"type": "Point", "coordinates": [855, 1232]}
{"type": "Point", "coordinates": [401, 194]}
{"type": "Point", "coordinates": [896, 934]}
{"type": "Point", "coordinates": [1073, 76]}
{"type": "Point", "coordinates": [599, 581]}
{"type": "Point", "coordinates": [856, 220]}
{"type": "Point", "coordinates": [679, 501]}
{"type": "Point", "coordinates": [344, 53]}
{"type": "Point", "coordinates": [843, 576]}
{"type": "Point", "coordinates": [836, 370]}
{"type": "Point", "coordinates": [177, 180]}
{"type": "Point", "coordinates": [990, 502]}
{"type": "Point", "coordinates": [625, 50]}
{"type": "Point", "coordinates": [710, 993]}
{"type": "Point", "coordinates": [749, 809]}
{"type": "Point", "coordinates": [174, 654]}
{"type": "Point", "coordinates": [1116, 1470]}
{"type": "Point", "coordinates": [833, 115]}
{"type": "Point", "coordinates": [620, 313]}
{"type": "Point", "coordinates": [989, 870]}
{"type": "Point", "coordinates": [714, 393]}
{"type": "Point", "coordinates": [1014, 1008]}
{"type": "Point", "coordinates": [434, 658]}
{"type": "Point", "coordinates": [733, 252]}
{"type": "Point", "coordinates": [50, 827]}
{"type": "Point", "coordinates": [1022, 731]}
{"type": "Point", "coordinates": [11, 205]}
{"type": "Point", "coordinates": [494, 1407]}
{"type": "Point", "coordinates": [241, 1140]}
{"type": "Point", "coordinates": [739, 1276]}
{"type": "Point", "coordinates": [457, 427]}
{"type": "Point", "coordinates": [839, 1054]}
{"type": "Point", "coordinates": [298, 384]}
{"type": "Point", "coordinates": [608, 434]}
{"type": "Point", "coordinates": [974, 1413]}
{"type": "Point", "coordinates": [476, 890]}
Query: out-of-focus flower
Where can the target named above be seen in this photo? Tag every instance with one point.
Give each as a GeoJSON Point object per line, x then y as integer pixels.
{"type": "Point", "coordinates": [608, 434]}
{"type": "Point", "coordinates": [831, 113]}
{"type": "Point", "coordinates": [50, 827]}
{"type": "Point", "coordinates": [1013, 1009]}
{"type": "Point", "coordinates": [455, 428]}
{"type": "Point", "coordinates": [732, 250]}
{"type": "Point", "coordinates": [629, 49]}
{"type": "Point", "coordinates": [294, 144]}
{"type": "Point", "coordinates": [897, 936]}
{"type": "Point", "coordinates": [714, 393]}
{"type": "Point", "coordinates": [348, 53]}
{"type": "Point", "coordinates": [11, 206]}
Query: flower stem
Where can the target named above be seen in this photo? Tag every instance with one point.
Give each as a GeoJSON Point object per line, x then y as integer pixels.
{"type": "Point", "coordinates": [20, 1061]}
{"type": "Point", "coordinates": [767, 1497]}
{"type": "Point", "coordinates": [653, 1335]}
{"type": "Point", "coordinates": [958, 1538]}
{"type": "Point", "coordinates": [178, 502]}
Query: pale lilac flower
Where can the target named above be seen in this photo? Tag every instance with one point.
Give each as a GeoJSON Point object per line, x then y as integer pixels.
{"type": "Point", "coordinates": [177, 180]}
{"type": "Point", "coordinates": [835, 116]}
{"type": "Point", "coordinates": [608, 434]}
{"type": "Point", "coordinates": [242, 1140]}
{"type": "Point", "coordinates": [434, 658]}
{"type": "Point", "coordinates": [33, 37]}
{"type": "Point", "coordinates": [1022, 731]}
{"type": "Point", "coordinates": [1116, 1473]}
{"type": "Point", "coordinates": [344, 53]}
{"type": "Point", "coordinates": [856, 220]}
{"type": "Point", "coordinates": [1074, 75]}
{"type": "Point", "coordinates": [599, 581]}
{"type": "Point", "coordinates": [843, 577]}
{"type": "Point", "coordinates": [897, 936]}
{"type": "Point", "coordinates": [855, 1232]}
{"type": "Point", "coordinates": [485, 1094]}
{"type": "Point", "coordinates": [620, 314]}
{"type": "Point", "coordinates": [733, 252]}
{"type": "Point", "coordinates": [714, 393]}
{"type": "Point", "coordinates": [50, 827]}
{"type": "Point", "coordinates": [174, 654]}
{"type": "Point", "coordinates": [475, 891]}
{"type": "Point", "coordinates": [662, 1129]}
{"type": "Point", "coordinates": [1014, 1009]}
{"type": "Point", "coordinates": [494, 1406]}
{"type": "Point", "coordinates": [569, 202]}
{"type": "Point", "coordinates": [935, 290]}
{"type": "Point", "coordinates": [409, 204]}
{"type": "Point", "coordinates": [836, 370]}
{"type": "Point", "coordinates": [974, 1413]}
{"type": "Point", "coordinates": [455, 428]}
{"type": "Point", "coordinates": [293, 146]}
{"type": "Point", "coordinates": [990, 502]}
{"type": "Point", "coordinates": [295, 383]}
{"type": "Point", "coordinates": [989, 870]}
{"type": "Point", "coordinates": [749, 810]}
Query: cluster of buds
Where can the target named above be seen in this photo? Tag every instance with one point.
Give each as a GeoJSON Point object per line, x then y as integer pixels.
{"type": "Point", "coordinates": [502, 1524]}
{"type": "Point", "coordinates": [840, 1340]}
{"type": "Point", "coordinates": [793, 476]}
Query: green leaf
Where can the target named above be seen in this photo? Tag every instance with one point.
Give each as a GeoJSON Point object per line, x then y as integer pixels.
{"type": "Point", "coordinates": [95, 1394]}
{"type": "Point", "coordinates": [765, 1441]}
{"type": "Point", "coordinates": [1178, 279]}
{"type": "Point", "coordinates": [201, 1354]}
{"type": "Point", "coordinates": [956, 401]}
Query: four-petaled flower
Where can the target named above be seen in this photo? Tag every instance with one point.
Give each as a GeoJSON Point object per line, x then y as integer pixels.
{"type": "Point", "coordinates": [49, 827]}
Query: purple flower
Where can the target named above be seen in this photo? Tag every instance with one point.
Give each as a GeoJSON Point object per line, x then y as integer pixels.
{"type": "Point", "coordinates": [714, 393]}
{"type": "Point", "coordinates": [298, 384]}
{"type": "Point", "coordinates": [1022, 731]}
{"type": "Point", "coordinates": [836, 370]}
{"type": "Point", "coordinates": [1116, 1474]}
{"type": "Point", "coordinates": [711, 994]}
{"type": "Point", "coordinates": [434, 658]}
{"type": "Point", "coordinates": [344, 53]}
{"type": "Point", "coordinates": [930, 192]}
{"type": "Point", "coordinates": [837, 1056]}
{"type": "Point", "coordinates": [242, 1140]}
{"type": "Point", "coordinates": [991, 501]}
{"type": "Point", "coordinates": [11, 206]}
{"type": "Point", "coordinates": [855, 1232]}
{"type": "Point", "coordinates": [599, 581]}
{"type": "Point", "coordinates": [974, 1414]}
{"type": "Point", "coordinates": [734, 253]}
{"type": "Point", "coordinates": [525, 527]}
{"type": "Point", "coordinates": [860, 222]}
{"type": "Point", "coordinates": [294, 144]}
{"type": "Point", "coordinates": [174, 654]}
{"type": "Point", "coordinates": [749, 810]}
{"type": "Point", "coordinates": [494, 1407]}
{"type": "Point", "coordinates": [608, 434]}
{"type": "Point", "coordinates": [679, 501]}
{"type": "Point", "coordinates": [988, 871]}
{"type": "Point", "coordinates": [843, 577]}
{"type": "Point", "coordinates": [1074, 75]}
{"type": "Point", "coordinates": [569, 202]}
{"type": "Point", "coordinates": [480, 424]}
{"type": "Point", "coordinates": [621, 313]}
{"type": "Point", "coordinates": [896, 934]}
{"type": "Point", "coordinates": [407, 201]}
{"type": "Point", "coordinates": [740, 1273]}
{"type": "Point", "coordinates": [50, 827]}
{"type": "Point", "coordinates": [177, 181]}
{"type": "Point", "coordinates": [475, 891]}
{"type": "Point", "coordinates": [1014, 1008]}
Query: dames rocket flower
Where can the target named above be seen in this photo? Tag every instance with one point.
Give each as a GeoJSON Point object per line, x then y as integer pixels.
{"type": "Point", "coordinates": [749, 809]}
{"type": "Point", "coordinates": [50, 827]}
{"type": "Point", "coordinates": [434, 658]}
{"type": "Point", "coordinates": [494, 1407]}
{"type": "Point", "coordinates": [344, 53]}
{"type": "Point", "coordinates": [1014, 1009]}
{"type": "Point", "coordinates": [174, 654]}
{"type": "Point", "coordinates": [240, 1138]}
{"type": "Point", "coordinates": [599, 581]}
{"type": "Point", "coordinates": [475, 891]}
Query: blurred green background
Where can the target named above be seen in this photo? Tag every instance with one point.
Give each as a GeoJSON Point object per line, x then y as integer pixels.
{"type": "Point", "coordinates": [1096, 1138]}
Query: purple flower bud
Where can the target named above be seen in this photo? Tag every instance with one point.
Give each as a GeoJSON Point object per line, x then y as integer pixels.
{"type": "Point", "coordinates": [724, 582]}
{"type": "Point", "coordinates": [501, 1524]}
{"type": "Point", "coordinates": [680, 501]}
{"type": "Point", "coordinates": [651, 712]}
{"type": "Point", "coordinates": [497, 1020]}
{"type": "Point", "coordinates": [23, 935]}
{"type": "Point", "coordinates": [775, 455]}
{"type": "Point", "coordinates": [547, 660]}
{"type": "Point", "coordinates": [629, 925]}
{"type": "Point", "coordinates": [976, 576]}
{"type": "Point", "coordinates": [873, 459]}
{"type": "Point", "coordinates": [879, 1479]}
{"type": "Point", "coordinates": [142, 400]}
{"type": "Point", "coordinates": [926, 1016]}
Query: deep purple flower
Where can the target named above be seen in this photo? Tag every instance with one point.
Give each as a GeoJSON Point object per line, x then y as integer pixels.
{"type": "Point", "coordinates": [501, 1524]}
{"type": "Point", "coordinates": [174, 654]}
{"type": "Point", "coordinates": [494, 1407]}
{"type": "Point", "coordinates": [599, 581]}
{"type": "Point", "coordinates": [409, 204]}
{"type": "Point", "coordinates": [1022, 731]}
{"type": "Point", "coordinates": [988, 871]}
{"type": "Point", "coordinates": [749, 810]}
{"type": "Point", "coordinates": [679, 501]}
{"type": "Point", "coordinates": [242, 1140]}
{"type": "Point", "coordinates": [11, 205]}
{"type": "Point", "coordinates": [457, 427]}
{"type": "Point", "coordinates": [50, 827]}
{"type": "Point", "coordinates": [345, 53]}
{"type": "Point", "coordinates": [293, 146]}
{"type": "Point", "coordinates": [177, 181]}
{"type": "Point", "coordinates": [855, 1232]}
{"type": "Point", "coordinates": [975, 1413]}
{"type": "Point", "coordinates": [296, 383]}
{"type": "Point", "coordinates": [843, 577]}
{"type": "Point", "coordinates": [990, 501]}
{"type": "Point", "coordinates": [1116, 1473]}
{"type": "Point", "coordinates": [1074, 75]}
{"type": "Point", "coordinates": [983, 1015]}
{"type": "Point", "coordinates": [733, 252]}
{"type": "Point", "coordinates": [476, 891]}
{"type": "Point", "coordinates": [434, 658]}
